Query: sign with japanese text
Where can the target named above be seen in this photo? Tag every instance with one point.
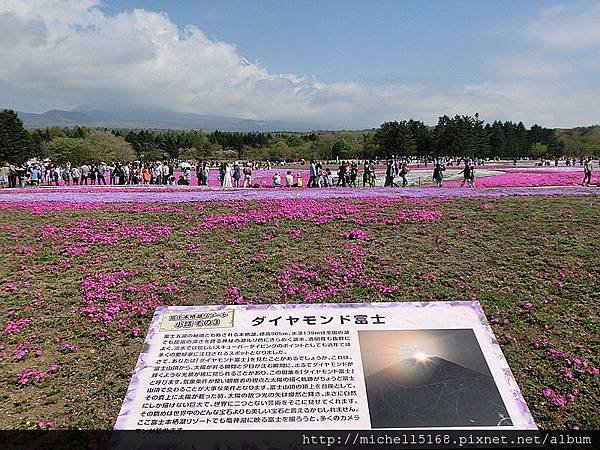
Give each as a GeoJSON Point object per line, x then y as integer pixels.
{"type": "Point", "coordinates": [433, 365]}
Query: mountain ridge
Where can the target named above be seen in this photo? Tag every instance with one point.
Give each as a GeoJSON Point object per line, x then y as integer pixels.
{"type": "Point", "coordinates": [124, 118]}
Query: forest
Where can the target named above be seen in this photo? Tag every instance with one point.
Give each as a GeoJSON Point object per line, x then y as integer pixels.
{"type": "Point", "coordinates": [461, 135]}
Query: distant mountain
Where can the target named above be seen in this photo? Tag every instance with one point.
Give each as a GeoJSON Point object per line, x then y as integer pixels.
{"type": "Point", "coordinates": [154, 119]}
{"type": "Point", "coordinates": [437, 393]}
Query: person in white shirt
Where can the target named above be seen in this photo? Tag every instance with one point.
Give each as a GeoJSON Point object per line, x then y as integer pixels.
{"type": "Point", "coordinates": [276, 180]}
{"type": "Point", "coordinates": [157, 173]}
{"type": "Point", "coordinates": [85, 173]}
{"type": "Point", "coordinates": [165, 173]}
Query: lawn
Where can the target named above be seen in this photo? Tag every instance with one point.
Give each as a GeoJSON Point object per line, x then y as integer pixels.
{"type": "Point", "coordinates": [79, 283]}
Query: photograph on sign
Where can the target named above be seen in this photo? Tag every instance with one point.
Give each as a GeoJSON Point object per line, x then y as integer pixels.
{"type": "Point", "coordinates": [427, 365]}
{"type": "Point", "coordinates": [421, 378]}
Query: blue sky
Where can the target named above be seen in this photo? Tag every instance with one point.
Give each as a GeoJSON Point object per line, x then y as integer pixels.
{"type": "Point", "coordinates": [349, 63]}
{"type": "Point", "coordinates": [372, 41]}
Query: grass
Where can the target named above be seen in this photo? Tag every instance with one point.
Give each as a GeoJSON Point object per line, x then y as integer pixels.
{"type": "Point", "coordinates": [541, 251]}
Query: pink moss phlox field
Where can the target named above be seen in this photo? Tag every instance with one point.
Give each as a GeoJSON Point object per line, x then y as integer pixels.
{"type": "Point", "coordinates": [117, 299]}
{"type": "Point", "coordinates": [526, 178]}
{"type": "Point", "coordinates": [243, 214]}
{"type": "Point", "coordinates": [85, 275]}
{"type": "Point", "coordinates": [78, 237]}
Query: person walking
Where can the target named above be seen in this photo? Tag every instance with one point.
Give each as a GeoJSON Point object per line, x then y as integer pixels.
{"type": "Point", "coordinates": [4, 172]}
{"type": "Point", "coordinates": [165, 173]}
{"type": "Point", "coordinates": [466, 174]}
{"type": "Point", "coordinates": [93, 173]}
{"type": "Point", "coordinates": [205, 173]}
{"type": "Point", "coordinates": [237, 174]}
{"type": "Point", "coordinates": [587, 171]}
{"type": "Point", "coordinates": [66, 173]}
{"type": "Point", "coordinates": [365, 173]}
{"type": "Point", "coordinates": [403, 172]}
{"type": "Point", "coordinates": [75, 174]}
{"type": "Point", "coordinates": [372, 175]}
{"type": "Point", "coordinates": [12, 176]}
{"type": "Point", "coordinates": [55, 175]}
{"type": "Point", "coordinates": [121, 174]}
{"type": "Point", "coordinates": [471, 180]}
{"type": "Point", "coordinates": [100, 171]}
{"type": "Point", "coordinates": [312, 180]}
{"type": "Point", "coordinates": [390, 174]}
{"type": "Point", "coordinates": [353, 175]}
{"type": "Point", "coordinates": [227, 176]}
{"type": "Point", "coordinates": [146, 175]}
{"type": "Point", "coordinates": [85, 173]}
{"type": "Point", "coordinates": [199, 173]}
{"type": "Point", "coordinates": [35, 175]}
{"type": "Point", "coordinates": [438, 174]}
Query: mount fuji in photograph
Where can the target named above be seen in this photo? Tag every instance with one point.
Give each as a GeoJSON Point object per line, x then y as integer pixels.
{"type": "Point", "coordinates": [433, 393]}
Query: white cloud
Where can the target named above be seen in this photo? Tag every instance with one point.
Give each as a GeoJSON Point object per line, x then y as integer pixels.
{"type": "Point", "coordinates": [63, 53]}
{"type": "Point", "coordinates": [573, 26]}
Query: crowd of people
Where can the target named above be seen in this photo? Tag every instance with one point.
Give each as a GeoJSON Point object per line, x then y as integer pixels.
{"type": "Point", "coordinates": [36, 173]}
{"type": "Point", "coordinates": [240, 173]}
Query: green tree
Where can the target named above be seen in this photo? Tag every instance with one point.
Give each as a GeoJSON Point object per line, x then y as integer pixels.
{"type": "Point", "coordinates": [15, 146]}
{"type": "Point", "coordinates": [395, 138]}
{"type": "Point", "coordinates": [63, 149]}
{"type": "Point", "coordinates": [188, 153]}
{"type": "Point", "coordinates": [105, 146]}
{"type": "Point", "coordinates": [539, 150]}
{"type": "Point", "coordinates": [368, 147]}
{"type": "Point", "coordinates": [341, 149]}
{"type": "Point", "coordinates": [422, 137]}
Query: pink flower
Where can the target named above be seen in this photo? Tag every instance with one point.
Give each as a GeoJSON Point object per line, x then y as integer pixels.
{"type": "Point", "coordinates": [16, 326]}
{"type": "Point", "coordinates": [44, 425]}
{"type": "Point", "coordinates": [10, 287]}
{"type": "Point", "coordinates": [567, 374]}
{"type": "Point", "coordinates": [170, 288]}
{"type": "Point", "coordinates": [356, 234]}
{"type": "Point", "coordinates": [69, 347]}
{"type": "Point", "coordinates": [294, 233]}
{"type": "Point", "coordinates": [559, 401]}
{"type": "Point", "coordinates": [539, 342]}
{"type": "Point", "coordinates": [428, 275]}
{"type": "Point", "coordinates": [256, 257]}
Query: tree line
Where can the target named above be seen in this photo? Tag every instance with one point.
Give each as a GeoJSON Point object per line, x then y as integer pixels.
{"type": "Point", "coordinates": [461, 135]}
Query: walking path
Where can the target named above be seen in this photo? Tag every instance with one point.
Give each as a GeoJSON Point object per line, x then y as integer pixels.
{"type": "Point", "coordinates": [152, 194]}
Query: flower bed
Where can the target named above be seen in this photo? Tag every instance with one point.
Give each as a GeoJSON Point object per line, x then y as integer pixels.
{"type": "Point", "coordinates": [81, 280]}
